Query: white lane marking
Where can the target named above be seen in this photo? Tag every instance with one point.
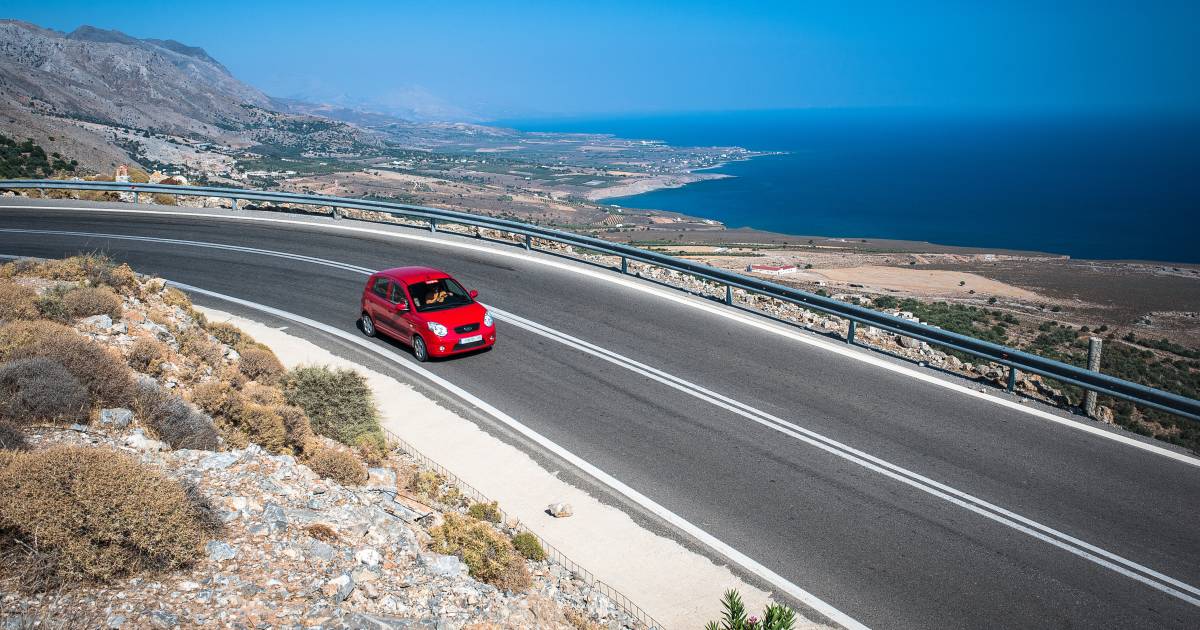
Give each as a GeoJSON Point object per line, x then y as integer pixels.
{"type": "Point", "coordinates": [679, 298]}
{"type": "Point", "coordinates": [916, 480]}
{"type": "Point", "coordinates": [642, 500]}
{"type": "Point", "coordinates": [1000, 515]}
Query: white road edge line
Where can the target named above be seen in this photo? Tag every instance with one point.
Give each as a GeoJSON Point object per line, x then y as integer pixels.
{"type": "Point", "coordinates": [908, 477]}
{"type": "Point", "coordinates": [680, 298]}
{"type": "Point", "coordinates": [1001, 515]}
{"type": "Point", "coordinates": [642, 500]}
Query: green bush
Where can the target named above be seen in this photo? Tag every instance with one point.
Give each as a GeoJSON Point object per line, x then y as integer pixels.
{"type": "Point", "coordinates": [338, 403]}
{"type": "Point", "coordinates": [485, 512]}
{"type": "Point", "coordinates": [529, 547]}
{"type": "Point", "coordinates": [95, 514]}
{"type": "Point", "coordinates": [775, 617]}
{"type": "Point", "coordinates": [488, 554]}
{"type": "Point", "coordinates": [52, 307]}
{"type": "Point", "coordinates": [40, 390]}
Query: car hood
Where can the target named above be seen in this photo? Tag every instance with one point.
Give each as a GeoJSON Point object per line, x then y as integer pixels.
{"type": "Point", "coordinates": [457, 316]}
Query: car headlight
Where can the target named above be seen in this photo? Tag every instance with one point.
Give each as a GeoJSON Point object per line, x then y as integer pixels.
{"type": "Point", "coordinates": [437, 329]}
{"type": "Point", "coordinates": [487, 319]}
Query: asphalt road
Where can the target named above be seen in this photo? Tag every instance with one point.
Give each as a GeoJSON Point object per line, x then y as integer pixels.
{"type": "Point", "coordinates": [887, 553]}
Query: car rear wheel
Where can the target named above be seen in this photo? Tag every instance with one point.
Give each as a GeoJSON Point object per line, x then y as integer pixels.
{"type": "Point", "coordinates": [420, 352]}
{"type": "Point", "coordinates": [368, 326]}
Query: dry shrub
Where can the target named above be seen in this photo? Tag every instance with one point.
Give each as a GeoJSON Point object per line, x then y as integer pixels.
{"type": "Point", "coordinates": [338, 403]}
{"type": "Point", "coordinates": [40, 390]}
{"type": "Point", "coordinates": [218, 399]}
{"type": "Point", "coordinates": [485, 512]}
{"type": "Point", "coordinates": [94, 269]}
{"type": "Point", "coordinates": [163, 199]}
{"type": "Point", "coordinates": [17, 302]}
{"type": "Point", "coordinates": [228, 334]}
{"type": "Point", "coordinates": [173, 420]}
{"type": "Point", "coordinates": [89, 301]}
{"type": "Point", "coordinates": [264, 427]}
{"type": "Point", "coordinates": [336, 464]}
{"type": "Point", "coordinates": [12, 438]}
{"type": "Point", "coordinates": [174, 297]}
{"type": "Point", "coordinates": [138, 176]}
{"type": "Point", "coordinates": [107, 378]}
{"type": "Point", "coordinates": [261, 365]}
{"type": "Point", "coordinates": [97, 514]}
{"type": "Point", "coordinates": [195, 343]}
{"type": "Point", "coordinates": [99, 195]}
{"type": "Point", "coordinates": [14, 335]}
{"type": "Point", "coordinates": [147, 355]}
{"type": "Point", "coordinates": [262, 394]}
{"type": "Point", "coordinates": [371, 447]}
{"type": "Point", "coordinates": [321, 532]}
{"type": "Point", "coordinates": [295, 423]}
{"type": "Point", "coordinates": [488, 554]}
{"type": "Point", "coordinates": [529, 546]}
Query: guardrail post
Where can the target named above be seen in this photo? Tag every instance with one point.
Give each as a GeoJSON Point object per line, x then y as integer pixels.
{"type": "Point", "coordinates": [137, 197]}
{"type": "Point", "coordinates": [528, 242]}
{"type": "Point", "coordinates": [850, 332]}
{"type": "Point", "coordinates": [42, 193]}
{"type": "Point", "coordinates": [1095, 345]}
{"type": "Point", "coordinates": [1012, 378]}
{"type": "Point", "coordinates": [432, 225]}
{"type": "Point", "coordinates": [729, 294]}
{"type": "Point", "coordinates": [235, 204]}
{"type": "Point", "coordinates": [624, 265]}
{"type": "Point", "coordinates": [336, 214]}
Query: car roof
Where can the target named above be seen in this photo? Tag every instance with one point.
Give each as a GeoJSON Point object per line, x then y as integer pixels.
{"type": "Point", "coordinates": [410, 275]}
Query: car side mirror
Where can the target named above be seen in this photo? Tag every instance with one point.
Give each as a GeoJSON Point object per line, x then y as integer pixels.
{"type": "Point", "coordinates": [400, 306]}
{"type": "Point", "coordinates": [474, 294]}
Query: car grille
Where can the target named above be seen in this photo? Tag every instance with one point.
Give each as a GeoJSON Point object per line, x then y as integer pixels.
{"type": "Point", "coordinates": [472, 344]}
{"type": "Point", "coordinates": [462, 330]}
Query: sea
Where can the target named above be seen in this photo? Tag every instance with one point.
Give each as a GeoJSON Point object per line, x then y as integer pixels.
{"type": "Point", "coordinates": [1104, 186]}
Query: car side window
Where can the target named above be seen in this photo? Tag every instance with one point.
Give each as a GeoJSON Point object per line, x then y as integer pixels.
{"type": "Point", "coordinates": [398, 294]}
{"type": "Point", "coordinates": [381, 287]}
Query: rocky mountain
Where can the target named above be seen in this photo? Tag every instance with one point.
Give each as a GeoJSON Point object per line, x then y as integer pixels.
{"type": "Point", "coordinates": [80, 93]}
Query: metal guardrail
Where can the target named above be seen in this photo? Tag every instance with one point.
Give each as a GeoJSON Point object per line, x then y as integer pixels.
{"type": "Point", "coordinates": [552, 553]}
{"type": "Point", "coordinates": [1010, 357]}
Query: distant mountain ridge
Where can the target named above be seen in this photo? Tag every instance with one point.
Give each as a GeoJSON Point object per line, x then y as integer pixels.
{"type": "Point", "coordinates": [50, 79]}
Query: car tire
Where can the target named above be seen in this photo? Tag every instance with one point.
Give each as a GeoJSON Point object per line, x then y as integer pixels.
{"type": "Point", "coordinates": [368, 326]}
{"type": "Point", "coordinates": [420, 351]}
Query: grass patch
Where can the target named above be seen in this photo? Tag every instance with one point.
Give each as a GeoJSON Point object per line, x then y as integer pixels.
{"type": "Point", "coordinates": [489, 512]}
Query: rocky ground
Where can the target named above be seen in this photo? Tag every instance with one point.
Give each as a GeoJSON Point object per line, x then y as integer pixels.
{"type": "Point", "coordinates": [298, 551]}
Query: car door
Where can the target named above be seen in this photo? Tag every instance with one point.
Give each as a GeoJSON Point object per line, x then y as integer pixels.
{"type": "Point", "coordinates": [403, 318]}
{"type": "Point", "coordinates": [378, 306]}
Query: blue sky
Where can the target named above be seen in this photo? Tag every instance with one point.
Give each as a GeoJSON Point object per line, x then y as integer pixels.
{"type": "Point", "coordinates": [559, 58]}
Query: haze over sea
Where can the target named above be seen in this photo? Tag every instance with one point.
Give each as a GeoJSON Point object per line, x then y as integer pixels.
{"type": "Point", "coordinates": [1110, 186]}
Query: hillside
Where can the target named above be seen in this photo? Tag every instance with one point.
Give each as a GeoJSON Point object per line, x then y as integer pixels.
{"type": "Point", "coordinates": [105, 98]}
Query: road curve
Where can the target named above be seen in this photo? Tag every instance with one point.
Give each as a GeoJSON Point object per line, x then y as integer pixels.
{"type": "Point", "coordinates": [914, 505]}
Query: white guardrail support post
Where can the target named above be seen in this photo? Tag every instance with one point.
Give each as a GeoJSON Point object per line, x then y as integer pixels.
{"type": "Point", "coordinates": [335, 213]}
{"type": "Point", "coordinates": [235, 204]}
{"type": "Point", "coordinates": [728, 295]}
{"type": "Point", "coordinates": [528, 242]}
{"type": "Point", "coordinates": [624, 265]}
{"type": "Point", "coordinates": [850, 332]}
{"type": "Point", "coordinates": [1012, 378]}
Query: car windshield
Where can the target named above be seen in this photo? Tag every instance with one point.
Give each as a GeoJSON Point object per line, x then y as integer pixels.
{"type": "Point", "coordinates": [435, 295]}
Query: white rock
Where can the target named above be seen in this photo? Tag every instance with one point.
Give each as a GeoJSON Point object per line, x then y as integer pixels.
{"type": "Point", "coordinates": [139, 441]}
{"type": "Point", "coordinates": [102, 322]}
{"type": "Point", "coordinates": [560, 510]}
{"type": "Point", "coordinates": [369, 557]}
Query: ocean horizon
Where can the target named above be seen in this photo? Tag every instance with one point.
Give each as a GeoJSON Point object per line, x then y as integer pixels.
{"type": "Point", "coordinates": [1102, 186]}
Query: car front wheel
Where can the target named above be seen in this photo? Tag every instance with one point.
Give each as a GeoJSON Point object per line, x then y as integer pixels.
{"type": "Point", "coordinates": [368, 326]}
{"type": "Point", "coordinates": [420, 352]}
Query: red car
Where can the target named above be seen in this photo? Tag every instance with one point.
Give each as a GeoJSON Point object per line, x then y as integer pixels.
{"type": "Point", "coordinates": [427, 309]}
